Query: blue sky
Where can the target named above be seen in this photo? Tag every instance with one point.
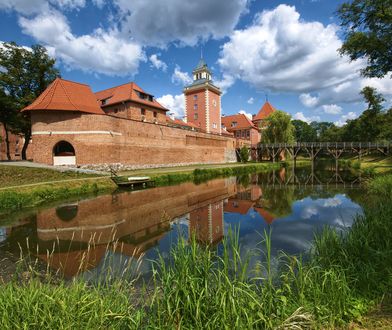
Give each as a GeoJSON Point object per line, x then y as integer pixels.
{"type": "Point", "coordinates": [284, 49]}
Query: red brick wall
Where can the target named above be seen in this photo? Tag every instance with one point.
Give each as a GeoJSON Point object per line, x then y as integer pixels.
{"type": "Point", "coordinates": [214, 111]}
{"type": "Point", "coordinates": [125, 141]}
{"type": "Point", "coordinates": [201, 106]}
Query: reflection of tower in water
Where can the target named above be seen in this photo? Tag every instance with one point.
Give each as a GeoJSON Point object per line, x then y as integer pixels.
{"type": "Point", "coordinates": [206, 223]}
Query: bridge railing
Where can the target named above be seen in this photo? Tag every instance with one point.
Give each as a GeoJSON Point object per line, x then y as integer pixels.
{"type": "Point", "coordinates": [343, 145]}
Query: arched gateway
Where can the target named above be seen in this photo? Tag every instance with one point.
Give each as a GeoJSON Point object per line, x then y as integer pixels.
{"type": "Point", "coordinates": [64, 154]}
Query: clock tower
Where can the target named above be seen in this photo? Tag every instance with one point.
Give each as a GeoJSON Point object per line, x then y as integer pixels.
{"type": "Point", "coordinates": [203, 100]}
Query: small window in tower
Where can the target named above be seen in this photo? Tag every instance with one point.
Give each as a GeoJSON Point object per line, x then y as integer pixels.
{"type": "Point", "coordinates": [214, 103]}
{"type": "Point", "coordinates": [214, 125]}
{"type": "Point", "coordinates": [195, 97]}
{"type": "Point", "coordinates": [143, 112]}
{"type": "Point", "coordinates": [155, 114]}
{"type": "Point", "coordinates": [234, 124]}
{"type": "Point", "coordinates": [195, 116]}
{"type": "Point", "coordinates": [195, 106]}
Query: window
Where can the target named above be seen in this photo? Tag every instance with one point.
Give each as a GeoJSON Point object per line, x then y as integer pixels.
{"type": "Point", "coordinates": [195, 97]}
{"type": "Point", "coordinates": [214, 103]}
{"type": "Point", "coordinates": [238, 134]}
{"type": "Point", "coordinates": [243, 134]}
{"type": "Point", "coordinates": [195, 116]}
{"type": "Point", "coordinates": [214, 125]}
{"type": "Point", "coordinates": [143, 112]}
{"type": "Point", "coordinates": [248, 134]}
{"type": "Point", "coordinates": [155, 114]}
{"type": "Point", "coordinates": [195, 106]}
{"type": "Point", "coordinates": [234, 124]}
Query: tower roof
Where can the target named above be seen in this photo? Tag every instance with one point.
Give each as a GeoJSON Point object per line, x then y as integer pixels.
{"type": "Point", "coordinates": [265, 111]}
{"type": "Point", "coordinates": [66, 95]}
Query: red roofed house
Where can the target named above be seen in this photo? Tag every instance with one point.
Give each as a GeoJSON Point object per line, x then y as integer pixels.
{"type": "Point", "coordinates": [124, 124]}
{"type": "Point", "coordinates": [242, 128]}
{"type": "Point", "coordinates": [266, 110]}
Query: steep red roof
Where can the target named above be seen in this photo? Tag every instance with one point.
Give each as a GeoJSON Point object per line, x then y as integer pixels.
{"type": "Point", "coordinates": [268, 217]}
{"type": "Point", "coordinates": [240, 206]}
{"type": "Point", "coordinates": [264, 112]}
{"type": "Point", "coordinates": [243, 122]}
{"type": "Point", "coordinates": [66, 95]}
{"type": "Point", "coordinates": [126, 92]}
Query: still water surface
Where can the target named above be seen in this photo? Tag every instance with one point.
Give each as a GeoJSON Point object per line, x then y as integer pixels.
{"type": "Point", "coordinates": [142, 224]}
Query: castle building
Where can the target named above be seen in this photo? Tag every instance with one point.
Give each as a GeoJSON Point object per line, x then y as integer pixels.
{"type": "Point", "coordinates": [203, 101]}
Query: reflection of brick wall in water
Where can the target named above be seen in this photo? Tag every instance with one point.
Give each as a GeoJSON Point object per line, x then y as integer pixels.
{"type": "Point", "coordinates": [138, 214]}
{"type": "Point", "coordinates": [206, 223]}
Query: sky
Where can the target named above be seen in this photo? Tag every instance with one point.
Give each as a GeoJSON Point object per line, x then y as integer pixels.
{"type": "Point", "coordinates": [285, 52]}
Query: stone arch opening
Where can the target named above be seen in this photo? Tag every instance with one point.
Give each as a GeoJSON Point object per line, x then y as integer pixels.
{"type": "Point", "coordinates": [64, 153]}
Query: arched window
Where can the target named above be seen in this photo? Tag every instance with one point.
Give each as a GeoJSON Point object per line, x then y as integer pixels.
{"type": "Point", "coordinates": [63, 148]}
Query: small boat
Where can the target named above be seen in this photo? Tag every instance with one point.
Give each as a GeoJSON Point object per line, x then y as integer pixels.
{"type": "Point", "coordinates": [132, 181]}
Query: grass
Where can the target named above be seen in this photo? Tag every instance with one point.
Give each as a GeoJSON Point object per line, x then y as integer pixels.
{"type": "Point", "coordinates": [341, 283]}
{"type": "Point", "coordinates": [19, 175]}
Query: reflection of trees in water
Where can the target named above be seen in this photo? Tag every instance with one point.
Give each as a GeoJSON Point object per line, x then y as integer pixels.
{"type": "Point", "coordinates": [277, 201]}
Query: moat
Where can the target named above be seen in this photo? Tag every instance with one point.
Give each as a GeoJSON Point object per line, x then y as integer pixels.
{"type": "Point", "coordinates": [128, 229]}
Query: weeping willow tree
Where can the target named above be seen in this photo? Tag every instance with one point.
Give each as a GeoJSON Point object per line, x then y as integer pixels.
{"type": "Point", "coordinates": [278, 128]}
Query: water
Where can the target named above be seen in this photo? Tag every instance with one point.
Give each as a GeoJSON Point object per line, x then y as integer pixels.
{"type": "Point", "coordinates": [84, 238]}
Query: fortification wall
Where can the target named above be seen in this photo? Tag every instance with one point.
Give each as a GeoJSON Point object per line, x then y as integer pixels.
{"type": "Point", "coordinates": [102, 139]}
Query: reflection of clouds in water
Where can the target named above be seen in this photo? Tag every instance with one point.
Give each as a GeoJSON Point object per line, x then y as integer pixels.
{"type": "Point", "coordinates": [308, 212]}
{"type": "Point", "coordinates": [183, 220]}
{"type": "Point", "coordinates": [331, 202]}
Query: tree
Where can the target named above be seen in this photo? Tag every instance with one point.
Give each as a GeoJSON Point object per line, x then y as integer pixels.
{"type": "Point", "coordinates": [320, 128]}
{"type": "Point", "coordinates": [304, 132]}
{"type": "Point", "coordinates": [7, 117]}
{"type": "Point", "coordinates": [367, 25]}
{"type": "Point", "coordinates": [25, 74]}
{"type": "Point", "coordinates": [278, 128]}
{"type": "Point", "coordinates": [244, 154]}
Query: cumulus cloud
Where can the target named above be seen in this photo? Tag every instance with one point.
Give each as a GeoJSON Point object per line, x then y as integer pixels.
{"type": "Point", "coordinates": [102, 51]}
{"type": "Point", "coordinates": [308, 100]}
{"type": "Point", "coordinates": [284, 53]}
{"type": "Point", "coordinates": [160, 22]}
{"type": "Point", "coordinates": [332, 109]}
{"type": "Point", "coordinates": [225, 83]}
{"type": "Point", "coordinates": [301, 116]}
{"type": "Point", "coordinates": [343, 119]}
{"type": "Point", "coordinates": [180, 77]}
{"type": "Point", "coordinates": [251, 100]}
{"type": "Point", "coordinates": [243, 112]}
{"type": "Point", "coordinates": [175, 103]}
{"type": "Point", "coordinates": [25, 7]}
{"type": "Point", "coordinates": [157, 63]}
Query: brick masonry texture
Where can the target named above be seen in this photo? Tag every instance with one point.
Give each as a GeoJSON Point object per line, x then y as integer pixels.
{"type": "Point", "coordinates": [139, 144]}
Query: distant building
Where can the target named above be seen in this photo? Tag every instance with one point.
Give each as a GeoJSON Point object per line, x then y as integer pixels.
{"type": "Point", "coordinates": [203, 101]}
{"type": "Point", "coordinates": [266, 110]}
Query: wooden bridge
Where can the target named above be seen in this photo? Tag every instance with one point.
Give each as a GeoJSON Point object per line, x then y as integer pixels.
{"type": "Point", "coordinates": [313, 149]}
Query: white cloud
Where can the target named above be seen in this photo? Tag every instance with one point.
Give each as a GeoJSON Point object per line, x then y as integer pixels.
{"type": "Point", "coordinates": [332, 109]}
{"type": "Point", "coordinates": [69, 4]}
{"type": "Point", "coordinates": [25, 7]}
{"type": "Point", "coordinates": [308, 100]}
{"type": "Point", "coordinates": [102, 51]}
{"type": "Point", "coordinates": [301, 116]}
{"type": "Point", "coordinates": [343, 119]}
{"type": "Point", "coordinates": [175, 103]}
{"type": "Point", "coordinates": [225, 83]}
{"type": "Point", "coordinates": [157, 63]}
{"type": "Point", "coordinates": [251, 100]}
{"type": "Point", "coordinates": [180, 78]}
{"type": "Point", "coordinates": [160, 22]}
{"type": "Point", "coordinates": [284, 53]}
{"type": "Point", "coordinates": [249, 115]}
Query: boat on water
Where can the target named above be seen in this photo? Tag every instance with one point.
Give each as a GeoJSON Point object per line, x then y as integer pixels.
{"type": "Point", "coordinates": [132, 181]}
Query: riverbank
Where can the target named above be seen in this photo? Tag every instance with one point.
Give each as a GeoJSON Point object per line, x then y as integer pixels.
{"type": "Point", "coordinates": [32, 187]}
{"type": "Point", "coordinates": [345, 282]}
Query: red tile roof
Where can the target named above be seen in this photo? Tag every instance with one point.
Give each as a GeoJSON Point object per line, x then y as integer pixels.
{"type": "Point", "coordinates": [66, 95]}
{"type": "Point", "coordinates": [126, 92]}
{"type": "Point", "coordinates": [268, 217]}
{"type": "Point", "coordinates": [178, 122]}
{"type": "Point", "coordinates": [243, 122]}
{"type": "Point", "coordinates": [240, 206]}
{"type": "Point", "coordinates": [265, 111]}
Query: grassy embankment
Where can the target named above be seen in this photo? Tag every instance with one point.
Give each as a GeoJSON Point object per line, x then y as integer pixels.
{"type": "Point", "coordinates": [24, 187]}
{"type": "Point", "coordinates": [343, 278]}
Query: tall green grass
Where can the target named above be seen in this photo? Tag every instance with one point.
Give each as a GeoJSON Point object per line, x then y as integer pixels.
{"type": "Point", "coordinates": [204, 287]}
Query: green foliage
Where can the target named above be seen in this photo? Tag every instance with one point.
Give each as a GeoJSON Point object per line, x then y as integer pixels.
{"type": "Point", "coordinates": [278, 128]}
{"type": "Point", "coordinates": [25, 75]}
{"type": "Point", "coordinates": [244, 154]}
{"type": "Point", "coordinates": [368, 34]}
{"type": "Point", "coordinates": [304, 132]}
